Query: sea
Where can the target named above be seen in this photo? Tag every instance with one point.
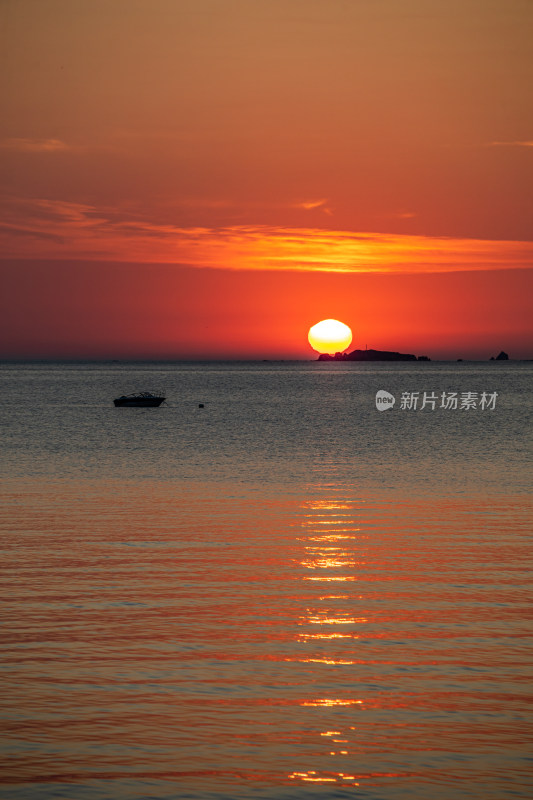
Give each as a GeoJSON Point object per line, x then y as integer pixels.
{"type": "Point", "coordinates": [268, 587]}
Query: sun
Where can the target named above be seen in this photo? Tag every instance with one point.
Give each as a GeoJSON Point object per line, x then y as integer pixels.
{"type": "Point", "coordinates": [330, 336]}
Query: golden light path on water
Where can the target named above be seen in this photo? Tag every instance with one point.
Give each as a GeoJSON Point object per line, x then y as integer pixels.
{"type": "Point", "coordinates": [328, 523]}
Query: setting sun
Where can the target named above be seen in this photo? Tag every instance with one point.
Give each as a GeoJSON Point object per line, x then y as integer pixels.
{"type": "Point", "coordinates": [330, 336]}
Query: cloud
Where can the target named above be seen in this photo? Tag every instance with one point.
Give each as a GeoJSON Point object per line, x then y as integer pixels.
{"type": "Point", "coordinates": [43, 228]}
{"type": "Point", "coordinates": [526, 143]}
{"type": "Point", "coordinates": [33, 145]}
{"type": "Point", "coordinates": [310, 204]}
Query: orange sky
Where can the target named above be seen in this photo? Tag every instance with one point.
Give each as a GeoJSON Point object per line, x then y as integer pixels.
{"type": "Point", "coordinates": [210, 177]}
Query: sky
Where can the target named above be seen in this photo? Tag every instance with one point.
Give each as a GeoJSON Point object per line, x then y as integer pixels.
{"type": "Point", "coordinates": [209, 178]}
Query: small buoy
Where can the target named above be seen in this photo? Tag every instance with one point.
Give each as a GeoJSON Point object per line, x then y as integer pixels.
{"type": "Point", "coordinates": [200, 405]}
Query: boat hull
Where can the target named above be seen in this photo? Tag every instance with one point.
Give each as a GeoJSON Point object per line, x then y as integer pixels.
{"type": "Point", "coordinates": [138, 402]}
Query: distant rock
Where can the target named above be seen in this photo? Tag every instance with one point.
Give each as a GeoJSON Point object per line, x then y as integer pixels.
{"type": "Point", "coordinates": [424, 358]}
{"type": "Point", "coordinates": [502, 357]}
{"type": "Point", "coordinates": [369, 355]}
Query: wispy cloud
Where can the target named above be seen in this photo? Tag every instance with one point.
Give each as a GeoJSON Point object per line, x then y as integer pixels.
{"type": "Point", "coordinates": [33, 145]}
{"type": "Point", "coordinates": [526, 143]}
{"type": "Point", "coordinates": [405, 215]}
{"type": "Point", "coordinates": [310, 204]}
{"type": "Point", "coordinates": [44, 228]}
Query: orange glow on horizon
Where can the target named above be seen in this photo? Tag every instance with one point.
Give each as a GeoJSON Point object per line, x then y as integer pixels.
{"type": "Point", "coordinates": [49, 308]}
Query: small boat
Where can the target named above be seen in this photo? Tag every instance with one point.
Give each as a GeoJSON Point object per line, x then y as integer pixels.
{"type": "Point", "coordinates": [139, 400]}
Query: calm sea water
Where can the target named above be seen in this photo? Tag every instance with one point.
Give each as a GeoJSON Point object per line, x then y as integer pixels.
{"type": "Point", "coordinates": [285, 594]}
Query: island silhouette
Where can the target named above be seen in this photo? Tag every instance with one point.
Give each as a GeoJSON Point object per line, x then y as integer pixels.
{"type": "Point", "coordinates": [388, 355]}
{"type": "Point", "coordinates": [371, 355]}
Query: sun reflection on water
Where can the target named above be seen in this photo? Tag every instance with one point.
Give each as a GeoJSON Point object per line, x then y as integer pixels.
{"type": "Point", "coordinates": [339, 661]}
{"type": "Point", "coordinates": [333, 545]}
{"type": "Point", "coordinates": [324, 777]}
{"type": "Point", "coordinates": [330, 578]}
{"type": "Point", "coordinates": [327, 636]}
{"type": "Point", "coordinates": [326, 550]}
{"type": "Point", "coordinates": [333, 537]}
{"type": "Point", "coordinates": [327, 702]}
